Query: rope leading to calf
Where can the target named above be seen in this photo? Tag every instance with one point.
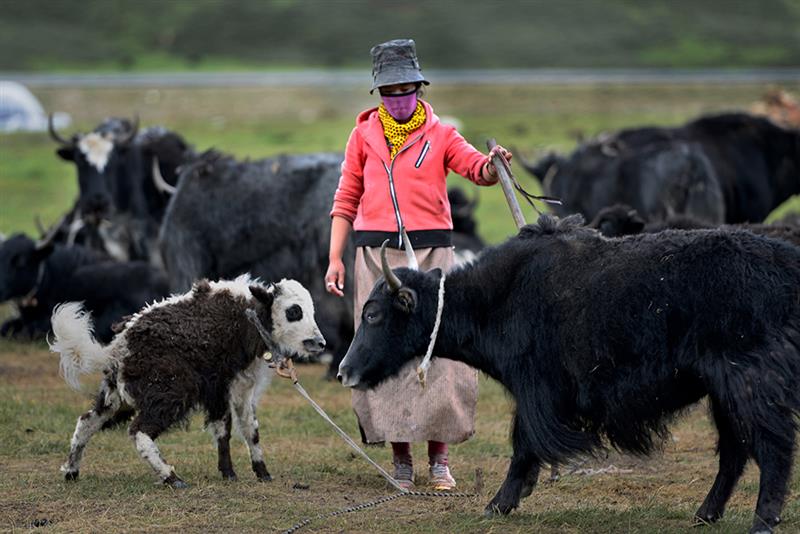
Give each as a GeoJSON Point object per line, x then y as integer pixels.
{"type": "Point", "coordinates": [292, 374]}
{"type": "Point", "coordinates": [285, 368]}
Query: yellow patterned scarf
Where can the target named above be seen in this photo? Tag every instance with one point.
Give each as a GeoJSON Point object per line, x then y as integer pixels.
{"type": "Point", "coordinates": [397, 133]}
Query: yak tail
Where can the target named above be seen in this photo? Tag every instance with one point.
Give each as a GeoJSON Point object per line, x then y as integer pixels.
{"type": "Point", "coordinates": [74, 340]}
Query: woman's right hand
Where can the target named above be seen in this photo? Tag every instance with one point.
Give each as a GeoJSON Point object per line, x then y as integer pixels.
{"type": "Point", "coordinates": [334, 278]}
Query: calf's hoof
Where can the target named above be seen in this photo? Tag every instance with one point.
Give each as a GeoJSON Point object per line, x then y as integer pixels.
{"type": "Point", "coordinates": [229, 475]}
{"type": "Point", "coordinates": [174, 482]}
{"type": "Point", "coordinates": [260, 469]}
{"type": "Point", "coordinates": [71, 476]}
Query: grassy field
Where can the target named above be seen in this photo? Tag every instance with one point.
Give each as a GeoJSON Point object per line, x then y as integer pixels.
{"type": "Point", "coordinates": [117, 490]}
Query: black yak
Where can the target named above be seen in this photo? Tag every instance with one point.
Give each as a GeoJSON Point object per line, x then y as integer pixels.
{"type": "Point", "coordinates": [125, 180]}
{"type": "Point", "coordinates": [606, 339]}
{"type": "Point", "coordinates": [196, 350]}
{"type": "Point", "coordinates": [731, 167]}
{"type": "Point", "coordinates": [620, 220]}
{"type": "Point", "coordinates": [39, 275]}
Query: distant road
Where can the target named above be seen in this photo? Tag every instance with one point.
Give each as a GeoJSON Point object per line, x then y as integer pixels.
{"type": "Point", "coordinates": [319, 77]}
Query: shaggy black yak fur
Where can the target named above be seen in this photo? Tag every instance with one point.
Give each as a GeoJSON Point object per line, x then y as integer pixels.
{"type": "Point", "coordinates": [38, 277]}
{"type": "Point", "coordinates": [621, 220]}
{"type": "Point", "coordinates": [196, 350]}
{"type": "Point", "coordinates": [607, 339]}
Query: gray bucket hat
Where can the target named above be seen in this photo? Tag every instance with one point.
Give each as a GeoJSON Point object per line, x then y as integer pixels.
{"type": "Point", "coordinates": [395, 62]}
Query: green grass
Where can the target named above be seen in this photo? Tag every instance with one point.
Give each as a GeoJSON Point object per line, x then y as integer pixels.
{"type": "Point", "coordinates": [117, 490]}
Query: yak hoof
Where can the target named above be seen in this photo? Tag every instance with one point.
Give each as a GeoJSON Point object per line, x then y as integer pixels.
{"type": "Point", "coordinates": [174, 482]}
{"type": "Point", "coordinates": [71, 476]}
{"type": "Point", "coordinates": [704, 517]}
{"type": "Point", "coordinates": [762, 527]}
{"type": "Point", "coordinates": [495, 509]}
{"type": "Point", "coordinates": [229, 476]}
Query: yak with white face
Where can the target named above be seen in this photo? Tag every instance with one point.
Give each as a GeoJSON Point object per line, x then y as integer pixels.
{"type": "Point", "coordinates": [196, 350]}
{"type": "Point", "coordinates": [125, 180]}
{"type": "Point", "coordinates": [602, 341]}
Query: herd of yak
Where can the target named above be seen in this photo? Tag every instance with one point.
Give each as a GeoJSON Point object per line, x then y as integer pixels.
{"type": "Point", "coordinates": [706, 302]}
{"type": "Point", "coordinates": [153, 215]}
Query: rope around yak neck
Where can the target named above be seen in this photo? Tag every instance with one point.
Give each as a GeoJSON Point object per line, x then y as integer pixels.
{"type": "Point", "coordinates": [422, 369]}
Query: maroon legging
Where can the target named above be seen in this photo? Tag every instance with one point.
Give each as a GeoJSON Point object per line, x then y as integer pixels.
{"type": "Point", "coordinates": [437, 450]}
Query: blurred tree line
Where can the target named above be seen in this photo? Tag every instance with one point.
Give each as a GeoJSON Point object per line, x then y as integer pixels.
{"type": "Point", "coordinates": [123, 34]}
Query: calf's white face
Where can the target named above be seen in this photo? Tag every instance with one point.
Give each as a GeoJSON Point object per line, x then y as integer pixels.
{"type": "Point", "coordinates": [293, 325]}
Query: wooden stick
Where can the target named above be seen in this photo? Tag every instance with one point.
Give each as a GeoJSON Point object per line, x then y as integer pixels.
{"type": "Point", "coordinates": [504, 172]}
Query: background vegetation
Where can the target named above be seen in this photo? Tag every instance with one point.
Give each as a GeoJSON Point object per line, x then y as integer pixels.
{"type": "Point", "coordinates": [231, 34]}
{"type": "Point", "coordinates": [260, 122]}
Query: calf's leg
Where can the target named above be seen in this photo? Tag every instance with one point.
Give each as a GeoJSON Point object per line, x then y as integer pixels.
{"type": "Point", "coordinates": [221, 430]}
{"type": "Point", "coordinates": [106, 405]}
{"type": "Point", "coordinates": [248, 424]}
{"type": "Point", "coordinates": [143, 432]}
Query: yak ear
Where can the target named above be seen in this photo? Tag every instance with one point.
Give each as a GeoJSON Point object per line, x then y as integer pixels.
{"type": "Point", "coordinates": [262, 295]}
{"type": "Point", "coordinates": [637, 221]}
{"type": "Point", "coordinates": [406, 299]}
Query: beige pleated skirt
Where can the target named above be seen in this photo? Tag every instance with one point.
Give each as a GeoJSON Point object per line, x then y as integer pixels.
{"type": "Point", "coordinates": [400, 410]}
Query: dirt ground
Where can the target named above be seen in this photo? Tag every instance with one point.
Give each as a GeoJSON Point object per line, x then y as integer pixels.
{"type": "Point", "coordinates": [315, 472]}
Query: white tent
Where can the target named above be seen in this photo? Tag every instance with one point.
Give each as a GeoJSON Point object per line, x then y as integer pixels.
{"type": "Point", "coordinates": [21, 111]}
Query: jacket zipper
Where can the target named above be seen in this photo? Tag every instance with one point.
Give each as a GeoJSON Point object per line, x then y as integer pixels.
{"type": "Point", "coordinates": [394, 194]}
{"type": "Point", "coordinates": [422, 154]}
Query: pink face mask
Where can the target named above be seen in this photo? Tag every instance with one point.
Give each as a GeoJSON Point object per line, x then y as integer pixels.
{"type": "Point", "coordinates": [401, 107]}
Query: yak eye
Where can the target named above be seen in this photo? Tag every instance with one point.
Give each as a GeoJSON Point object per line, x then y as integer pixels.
{"type": "Point", "coordinates": [372, 315]}
{"type": "Point", "coordinates": [294, 313]}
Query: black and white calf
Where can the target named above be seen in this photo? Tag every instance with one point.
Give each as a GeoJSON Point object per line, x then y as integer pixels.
{"type": "Point", "coordinates": [196, 350]}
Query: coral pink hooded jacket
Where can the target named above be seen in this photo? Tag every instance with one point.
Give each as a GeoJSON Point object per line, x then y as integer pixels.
{"type": "Point", "coordinates": [378, 194]}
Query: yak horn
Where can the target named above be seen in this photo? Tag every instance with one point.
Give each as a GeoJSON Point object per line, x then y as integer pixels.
{"type": "Point", "coordinates": [134, 130]}
{"type": "Point", "coordinates": [54, 134]}
{"type": "Point", "coordinates": [39, 226]}
{"type": "Point", "coordinates": [412, 258]}
{"type": "Point", "coordinates": [159, 181]}
{"type": "Point", "coordinates": [45, 241]}
{"type": "Point", "coordinates": [547, 181]}
{"type": "Point", "coordinates": [75, 226]}
{"type": "Point", "coordinates": [391, 278]}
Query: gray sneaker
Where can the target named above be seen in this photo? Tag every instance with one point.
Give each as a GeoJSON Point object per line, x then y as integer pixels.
{"type": "Point", "coordinates": [404, 475]}
{"type": "Point", "coordinates": [441, 479]}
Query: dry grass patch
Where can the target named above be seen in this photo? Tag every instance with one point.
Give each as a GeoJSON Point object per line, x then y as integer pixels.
{"type": "Point", "coordinates": [117, 491]}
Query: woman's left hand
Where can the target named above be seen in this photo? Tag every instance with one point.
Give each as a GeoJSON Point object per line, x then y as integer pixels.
{"type": "Point", "coordinates": [489, 170]}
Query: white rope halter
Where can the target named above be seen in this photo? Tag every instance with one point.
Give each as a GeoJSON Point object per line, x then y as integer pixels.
{"type": "Point", "coordinates": [422, 369]}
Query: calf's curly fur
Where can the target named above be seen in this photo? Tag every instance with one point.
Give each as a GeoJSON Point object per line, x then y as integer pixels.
{"type": "Point", "coordinates": [195, 350]}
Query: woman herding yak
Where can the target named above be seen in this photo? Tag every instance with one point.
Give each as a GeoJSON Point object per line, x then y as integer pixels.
{"type": "Point", "coordinates": [393, 178]}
